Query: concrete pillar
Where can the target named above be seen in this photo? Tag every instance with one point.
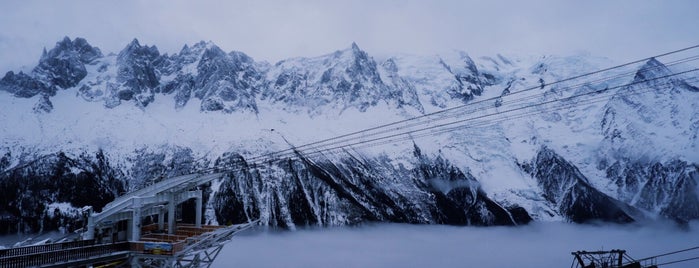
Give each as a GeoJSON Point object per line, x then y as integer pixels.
{"type": "Point", "coordinates": [171, 213]}
{"type": "Point", "coordinates": [136, 219]}
{"type": "Point", "coordinates": [90, 234]}
{"type": "Point", "coordinates": [129, 229]}
{"type": "Point", "coordinates": [161, 219]}
{"type": "Point", "coordinates": [197, 220]}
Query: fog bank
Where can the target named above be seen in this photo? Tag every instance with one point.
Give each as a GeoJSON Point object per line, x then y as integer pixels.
{"type": "Point", "coordinates": [398, 245]}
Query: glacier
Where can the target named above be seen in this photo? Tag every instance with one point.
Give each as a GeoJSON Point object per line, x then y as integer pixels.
{"type": "Point", "coordinates": [83, 128]}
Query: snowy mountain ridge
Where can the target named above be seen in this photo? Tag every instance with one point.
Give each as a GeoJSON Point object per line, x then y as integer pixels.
{"type": "Point", "coordinates": [116, 122]}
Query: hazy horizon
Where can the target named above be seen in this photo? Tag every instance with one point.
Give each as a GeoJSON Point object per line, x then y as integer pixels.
{"type": "Point", "coordinates": [275, 30]}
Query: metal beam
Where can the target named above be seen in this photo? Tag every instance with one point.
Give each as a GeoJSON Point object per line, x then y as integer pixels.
{"type": "Point", "coordinates": [176, 184]}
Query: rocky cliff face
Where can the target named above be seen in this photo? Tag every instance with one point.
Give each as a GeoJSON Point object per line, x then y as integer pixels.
{"type": "Point", "coordinates": [565, 186]}
{"type": "Point", "coordinates": [354, 189]}
{"type": "Point", "coordinates": [100, 125]}
{"type": "Point", "coordinates": [60, 68]}
{"type": "Point", "coordinates": [658, 113]}
{"type": "Point", "coordinates": [342, 80]}
{"type": "Point", "coordinates": [46, 193]}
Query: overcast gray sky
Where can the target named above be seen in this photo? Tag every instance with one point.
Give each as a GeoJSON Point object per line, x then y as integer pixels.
{"type": "Point", "coordinates": [274, 30]}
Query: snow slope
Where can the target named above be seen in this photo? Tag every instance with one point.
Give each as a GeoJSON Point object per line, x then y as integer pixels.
{"type": "Point", "coordinates": [153, 114]}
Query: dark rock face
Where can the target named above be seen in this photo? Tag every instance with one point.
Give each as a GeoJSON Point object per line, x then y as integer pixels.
{"type": "Point", "coordinates": [182, 87]}
{"type": "Point", "coordinates": [29, 189]}
{"type": "Point", "coordinates": [344, 79]}
{"type": "Point", "coordinates": [64, 65]}
{"type": "Point", "coordinates": [402, 90]}
{"type": "Point", "coordinates": [350, 188]}
{"type": "Point", "coordinates": [652, 69]}
{"type": "Point", "coordinates": [670, 188]}
{"type": "Point", "coordinates": [44, 105]}
{"type": "Point", "coordinates": [22, 85]}
{"type": "Point", "coordinates": [150, 165]}
{"type": "Point", "coordinates": [136, 73]}
{"type": "Point", "coordinates": [226, 82]}
{"type": "Point", "coordinates": [223, 82]}
{"type": "Point", "coordinates": [61, 67]}
{"type": "Point", "coordinates": [468, 81]}
{"type": "Point", "coordinates": [31, 186]}
{"type": "Point", "coordinates": [652, 109]}
{"type": "Point", "coordinates": [290, 193]}
{"type": "Point", "coordinates": [571, 192]}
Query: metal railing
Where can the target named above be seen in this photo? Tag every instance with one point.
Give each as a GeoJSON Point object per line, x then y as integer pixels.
{"type": "Point", "coordinates": [18, 251]}
{"type": "Point", "coordinates": [57, 254]}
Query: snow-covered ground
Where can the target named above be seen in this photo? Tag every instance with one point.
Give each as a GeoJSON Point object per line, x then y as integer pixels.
{"type": "Point", "coordinates": [491, 146]}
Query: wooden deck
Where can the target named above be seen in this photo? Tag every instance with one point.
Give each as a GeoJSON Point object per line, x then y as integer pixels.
{"type": "Point", "coordinates": [153, 242]}
{"type": "Point", "coordinates": [158, 242]}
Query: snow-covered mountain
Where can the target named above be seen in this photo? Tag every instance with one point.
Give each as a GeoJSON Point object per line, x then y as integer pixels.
{"type": "Point", "coordinates": [82, 128]}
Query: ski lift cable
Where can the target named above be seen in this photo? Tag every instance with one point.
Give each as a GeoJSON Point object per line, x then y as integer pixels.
{"type": "Point", "coordinates": [383, 140]}
{"type": "Point", "coordinates": [456, 113]}
{"type": "Point", "coordinates": [527, 105]}
{"type": "Point", "coordinates": [476, 124]}
{"type": "Point", "coordinates": [348, 137]}
{"type": "Point", "coordinates": [669, 253]}
{"type": "Point", "coordinates": [506, 102]}
{"type": "Point", "coordinates": [678, 261]}
{"type": "Point", "coordinates": [507, 111]}
{"type": "Point", "coordinates": [238, 166]}
{"type": "Point", "coordinates": [495, 98]}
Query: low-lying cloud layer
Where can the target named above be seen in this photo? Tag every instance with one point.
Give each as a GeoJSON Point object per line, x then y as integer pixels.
{"type": "Point", "coordinates": [393, 245]}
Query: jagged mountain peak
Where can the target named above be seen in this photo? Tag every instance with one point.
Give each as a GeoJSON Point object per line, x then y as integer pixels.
{"type": "Point", "coordinates": [213, 55]}
{"type": "Point", "coordinates": [450, 180]}
{"type": "Point", "coordinates": [654, 117]}
{"type": "Point", "coordinates": [468, 62]}
{"type": "Point", "coordinates": [241, 57]}
{"type": "Point", "coordinates": [467, 81]}
{"type": "Point", "coordinates": [347, 78]}
{"type": "Point", "coordinates": [201, 54]}
{"type": "Point", "coordinates": [135, 50]}
{"type": "Point", "coordinates": [655, 70]}
{"type": "Point", "coordinates": [213, 51]}
{"type": "Point", "coordinates": [343, 57]}
{"type": "Point", "coordinates": [355, 47]}
{"type": "Point", "coordinates": [358, 53]}
{"type": "Point", "coordinates": [187, 55]}
{"type": "Point", "coordinates": [196, 48]}
{"type": "Point", "coordinates": [67, 48]}
{"type": "Point", "coordinates": [61, 67]}
{"type": "Point", "coordinates": [209, 52]}
{"type": "Point", "coordinates": [652, 69]}
{"type": "Point", "coordinates": [22, 85]}
{"type": "Point", "coordinates": [133, 43]}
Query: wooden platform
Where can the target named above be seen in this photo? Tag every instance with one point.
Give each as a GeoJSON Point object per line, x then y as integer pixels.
{"type": "Point", "coordinates": [159, 242]}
